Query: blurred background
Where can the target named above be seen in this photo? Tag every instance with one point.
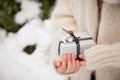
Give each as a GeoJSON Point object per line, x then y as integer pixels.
{"type": "Point", "coordinates": [25, 40]}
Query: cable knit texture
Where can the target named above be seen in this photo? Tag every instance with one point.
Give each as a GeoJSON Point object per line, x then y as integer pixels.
{"type": "Point", "coordinates": [82, 15]}
{"type": "Point", "coordinates": [113, 1]}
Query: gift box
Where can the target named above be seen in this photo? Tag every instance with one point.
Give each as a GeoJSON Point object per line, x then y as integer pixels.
{"type": "Point", "coordinates": [75, 43]}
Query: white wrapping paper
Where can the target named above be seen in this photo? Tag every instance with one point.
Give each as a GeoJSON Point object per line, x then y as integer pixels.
{"type": "Point", "coordinates": [68, 46]}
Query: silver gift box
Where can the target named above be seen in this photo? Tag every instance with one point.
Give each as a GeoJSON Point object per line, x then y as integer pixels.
{"type": "Point", "coordinates": [68, 45]}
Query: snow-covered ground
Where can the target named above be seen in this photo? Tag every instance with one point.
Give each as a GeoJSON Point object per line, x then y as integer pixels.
{"type": "Point", "coordinates": [15, 64]}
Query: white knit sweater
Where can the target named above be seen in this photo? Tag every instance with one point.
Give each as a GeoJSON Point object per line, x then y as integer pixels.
{"type": "Point", "coordinates": [82, 15]}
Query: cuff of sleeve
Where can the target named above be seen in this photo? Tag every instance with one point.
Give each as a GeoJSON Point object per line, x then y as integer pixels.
{"type": "Point", "coordinates": [99, 56]}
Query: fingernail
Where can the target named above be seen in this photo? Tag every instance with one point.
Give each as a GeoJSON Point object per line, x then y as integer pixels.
{"type": "Point", "coordinates": [69, 55]}
{"type": "Point", "coordinates": [73, 55]}
{"type": "Point", "coordinates": [65, 56]}
{"type": "Point", "coordinates": [58, 64]}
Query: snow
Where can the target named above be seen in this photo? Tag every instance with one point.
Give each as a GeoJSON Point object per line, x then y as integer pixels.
{"type": "Point", "coordinates": [15, 64]}
{"type": "Point", "coordinates": [29, 10]}
{"type": "Point", "coordinates": [3, 34]}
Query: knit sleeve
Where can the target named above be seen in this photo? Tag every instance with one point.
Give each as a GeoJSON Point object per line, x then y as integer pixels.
{"type": "Point", "coordinates": [113, 1]}
{"type": "Point", "coordinates": [103, 56]}
{"type": "Point", "coordinates": [62, 16]}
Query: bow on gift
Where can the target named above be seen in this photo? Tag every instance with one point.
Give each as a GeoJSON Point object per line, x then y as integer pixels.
{"type": "Point", "coordinates": [76, 39]}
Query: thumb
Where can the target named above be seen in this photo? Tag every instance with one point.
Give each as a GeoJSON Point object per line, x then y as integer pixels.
{"type": "Point", "coordinates": [82, 56]}
{"type": "Point", "coordinates": [57, 63]}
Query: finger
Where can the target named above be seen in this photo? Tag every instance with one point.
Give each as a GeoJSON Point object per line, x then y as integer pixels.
{"type": "Point", "coordinates": [64, 62]}
{"type": "Point", "coordinates": [77, 66]}
{"type": "Point", "coordinates": [82, 56]}
{"type": "Point", "coordinates": [57, 63]}
{"type": "Point", "coordinates": [73, 62]}
{"type": "Point", "coordinates": [63, 66]}
{"type": "Point", "coordinates": [83, 63]}
{"type": "Point", "coordinates": [69, 65]}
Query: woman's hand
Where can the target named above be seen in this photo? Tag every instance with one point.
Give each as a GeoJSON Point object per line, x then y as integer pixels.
{"type": "Point", "coordinates": [82, 56]}
{"type": "Point", "coordinates": [67, 65]}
